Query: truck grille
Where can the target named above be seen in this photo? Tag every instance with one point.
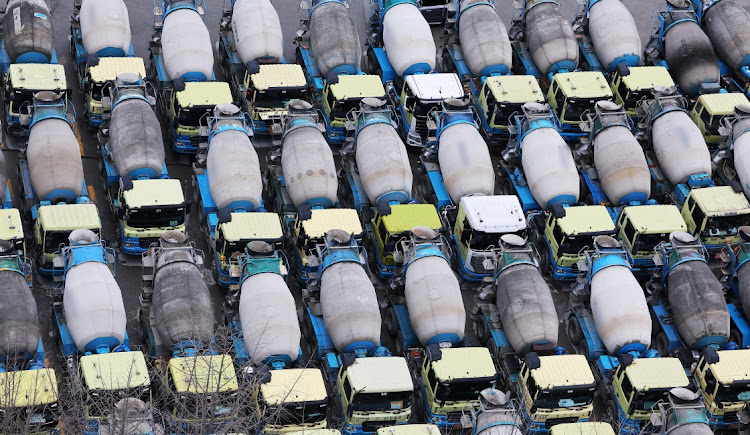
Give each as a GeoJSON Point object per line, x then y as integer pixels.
{"type": "Point", "coordinates": [195, 140]}
{"type": "Point", "coordinates": [553, 421]}
{"type": "Point", "coordinates": [373, 426]}
{"type": "Point", "coordinates": [454, 417]}
{"type": "Point", "coordinates": [731, 417]}
{"type": "Point", "coordinates": [145, 242]}
{"type": "Point", "coordinates": [421, 127]}
{"type": "Point", "coordinates": [476, 263]}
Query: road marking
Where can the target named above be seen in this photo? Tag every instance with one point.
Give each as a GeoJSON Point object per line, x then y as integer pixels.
{"type": "Point", "coordinates": [92, 194]}
{"type": "Point", "coordinates": [78, 137]}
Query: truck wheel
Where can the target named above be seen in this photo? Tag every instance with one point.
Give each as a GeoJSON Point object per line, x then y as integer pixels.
{"type": "Point", "coordinates": [575, 332]}
{"type": "Point", "coordinates": [661, 344]}
{"type": "Point", "coordinates": [610, 413]}
{"type": "Point", "coordinates": [583, 348]}
{"type": "Point", "coordinates": [544, 261]}
{"type": "Point", "coordinates": [480, 328]}
{"type": "Point", "coordinates": [418, 405]}
{"type": "Point", "coordinates": [735, 336]}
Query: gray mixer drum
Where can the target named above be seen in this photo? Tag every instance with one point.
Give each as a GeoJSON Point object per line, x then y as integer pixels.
{"type": "Point", "coordinates": [18, 315]}
{"type": "Point", "coordinates": [135, 139]}
{"type": "Point", "coordinates": [27, 31]}
{"type": "Point", "coordinates": [334, 39]}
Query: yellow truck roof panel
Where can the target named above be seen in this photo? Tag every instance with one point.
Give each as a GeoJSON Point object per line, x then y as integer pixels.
{"type": "Point", "coordinates": [368, 374]}
{"type": "Point", "coordinates": [358, 86]}
{"type": "Point", "coordinates": [733, 365]}
{"type": "Point", "coordinates": [204, 94]}
{"type": "Point", "coordinates": [109, 67]}
{"type": "Point", "coordinates": [721, 201]}
{"type": "Point", "coordinates": [294, 386]}
{"type": "Point", "coordinates": [464, 362]}
{"type": "Point", "coordinates": [586, 219]}
{"type": "Point", "coordinates": [722, 104]}
{"type": "Point", "coordinates": [404, 217]}
{"type": "Point", "coordinates": [649, 373]}
{"type": "Point", "coordinates": [315, 432]}
{"type": "Point", "coordinates": [38, 76]}
{"type": "Point", "coordinates": [68, 217]}
{"type": "Point", "coordinates": [515, 89]}
{"type": "Point", "coordinates": [203, 374]}
{"type": "Point", "coordinates": [410, 429]}
{"type": "Point", "coordinates": [588, 428]}
{"type": "Point", "coordinates": [647, 77]}
{"type": "Point", "coordinates": [11, 225]}
{"type": "Point", "coordinates": [116, 370]}
{"type": "Point", "coordinates": [562, 370]}
{"type": "Point", "coordinates": [583, 84]}
{"type": "Point", "coordinates": [654, 219]}
{"type": "Point", "coordinates": [28, 387]}
{"type": "Point", "coordinates": [151, 193]}
{"type": "Point", "coordinates": [324, 220]}
{"type": "Point", "coordinates": [285, 75]}
{"type": "Point", "coordinates": [253, 226]}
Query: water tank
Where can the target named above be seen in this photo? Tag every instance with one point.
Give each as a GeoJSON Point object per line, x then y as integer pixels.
{"type": "Point", "coordinates": [484, 39]}
{"type": "Point", "coordinates": [383, 163]}
{"type": "Point", "coordinates": [308, 166]}
{"type": "Point", "coordinates": [234, 171]}
{"type": "Point", "coordinates": [408, 40]}
{"type": "Point", "coordinates": [728, 26]}
{"type": "Point", "coordinates": [54, 161]}
{"type": "Point", "coordinates": [679, 146]}
{"type": "Point", "coordinates": [257, 30]}
{"type": "Point", "coordinates": [18, 315]}
{"type": "Point", "coordinates": [433, 297]}
{"type": "Point", "coordinates": [93, 317]}
{"type": "Point", "coordinates": [269, 317]}
{"type": "Point", "coordinates": [27, 31]}
{"type": "Point", "coordinates": [549, 168]}
{"type": "Point", "coordinates": [690, 56]}
{"type": "Point", "coordinates": [135, 139]}
{"type": "Point", "coordinates": [465, 162]}
{"type": "Point", "coordinates": [550, 38]}
{"type": "Point", "coordinates": [186, 46]}
{"type": "Point", "coordinates": [181, 301]}
{"type": "Point", "coordinates": [526, 308]}
{"type": "Point", "coordinates": [334, 39]}
{"type": "Point", "coordinates": [105, 27]}
{"type": "Point", "coordinates": [614, 34]}
{"type": "Point", "coordinates": [742, 161]}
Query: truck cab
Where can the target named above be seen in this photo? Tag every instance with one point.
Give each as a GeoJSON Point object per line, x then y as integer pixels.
{"type": "Point", "coordinates": [11, 229]}
{"type": "Point", "coordinates": [710, 110]}
{"type": "Point", "coordinates": [95, 78]}
{"type": "Point", "coordinates": [187, 107]}
{"type": "Point", "coordinates": [22, 81]}
{"type": "Point", "coordinates": [714, 214]}
{"type": "Point", "coordinates": [389, 229]}
{"type": "Point", "coordinates": [344, 95]}
{"type": "Point", "coordinates": [291, 400]}
{"type": "Point", "coordinates": [501, 97]}
{"type": "Point", "coordinates": [31, 407]}
{"type": "Point", "coordinates": [266, 91]}
{"type": "Point", "coordinates": [573, 93]}
{"type": "Point", "coordinates": [555, 389]}
{"type": "Point", "coordinates": [641, 228]}
{"type": "Point", "coordinates": [52, 228]}
{"type": "Point", "coordinates": [477, 228]}
{"type": "Point", "coordinates": [146, 208]}
{"type": "Point", "coordinates": [630, 85]}
{"type": "Point", "coordinates": [724, 378]}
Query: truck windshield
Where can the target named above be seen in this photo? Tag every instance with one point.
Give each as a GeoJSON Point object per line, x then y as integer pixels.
{"type": "Point", "coordinates": [96, 91]}
{"type": "Point", "coordinates": [735, 392]}
{"type": "Point", "coordinates": [395, 401]}
{"type": "Point", "coordinates": [277, 98]}
{"type": "Point", "coordinates": [53, 239]}
{"type": "Point", "coordinates": [18, 98]}
{"type": "Point", "coordinates": [463, 389]}
{"type": "Point", "coordinates": [101, 403]}
{"type": "Point", "coordinates": [156, 217]}
{"type": "Point", "coordinates": [723, 226]}
{"type": "Point", "coordinates": [504, 111]}
{"type": "Point", "coordinates": [572, 245]}
{"type": "Point", "coordinates": [191, 116]}
{"type": "Point", "coordinates": [293, 414]}
{"type": "Point", "coordinates": [564, 398]}
{"type": "Point", "coordinates": [574, 109]}
{"type": "Point", "coordinates": [647, 242]}
{"type": "Point", "coordinates": [481, 241]}
{"type": "Point", "coordinates": [32, 419]}
{"type": "Point", "coordinates": [647, 400]}
{"type": "Point", "coordinates": [342, 107]}
{"type": "Point", "coordinates": [204, 407]}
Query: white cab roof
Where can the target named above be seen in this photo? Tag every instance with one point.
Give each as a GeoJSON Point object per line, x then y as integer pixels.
{"type": "Point", "coordinates": [439, 86]}
{"type": "Point", "coordinates": [494, 214]}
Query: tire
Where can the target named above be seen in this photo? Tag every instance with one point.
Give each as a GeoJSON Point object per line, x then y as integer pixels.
{"type": "Point", "coordinates": [610, 413]}
{"type": "Point", "coordinates": [492, 346]}
{"type": "Point", "coordinates": [481, 329]}
{"type": "Point", "coordinates": [418, 405]}
{"type": "Point", "coordinates": [507, 187]}
{"type": "Point", "coordinates": [544, 261]}
{"type": "Point", "coordinates": [575, 332]}
{"type": "Point", "coordinates": [583, 349]}
{"type": "Point", "coordinates": [661, 344]}
{"type": "Point", "coordinates": [391, 323]}
{"type": "Point", "coordinates": [735, 336]}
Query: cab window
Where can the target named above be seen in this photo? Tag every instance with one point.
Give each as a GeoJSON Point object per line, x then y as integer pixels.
{"type": "Point", "coordinates": [622, 89]}
{"type": "Point", "coordinates": [698, 217]}
{"type": "Point", "coordinates": [533, 389]}
{"type": "Point", "coordinates": [382, 231]}
{"type": "Point", "coordinates": [629, 231]}
{"type": "Point", "coordinates": [347, 389]}
{"type": "Point", "coordinates": [431, 379]}
{"type": "Point", "coordinates": [627, 387]}
{"type": "Point", "coordinates": [557, 233]}
{"type": "Point", "coordinates": [330, 99]}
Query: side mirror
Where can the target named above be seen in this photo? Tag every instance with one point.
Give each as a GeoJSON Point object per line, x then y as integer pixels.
{"type": "Point", "coordinates": [120, 212]}
{"type": "Point", "coordinates": [188, 206]}
{"type": "Point", "coordinates": [465, 235]}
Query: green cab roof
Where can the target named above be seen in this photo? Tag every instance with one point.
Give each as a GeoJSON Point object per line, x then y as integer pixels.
{"type": "Point", "coordinates": [586, 219]}
{"type": "Point", "coordinates": [410, 429]}
{"type": "Point", "coordinates": [294, 386]}
{"type": "Point", "coordinates": [583, 84]}
{"type": "Point", "coordinates": [115, 371]}
{"type": "Point", "coordinates": [655, 219]}
{"type": "Point", "coordinates": [358, 86]}
{"type": "Point", "coordinates": [69, 217]}
{"type": "Point", "coordinates": [109, 67]}
{"type": "Point", "coordinates": [367, 374]}
{"type": "Point", "coordinates": [253, 226]}
{"type": "Point", "coordinates": [515, 89]}
{"type": "Point", "coordinates": [156, 192]}
{"type": "Point", "coordinates": [647, 77]}
{"type": "Point", "coordinates": [284, 75]}
{"type": "Point", "coordinates": [28, 388]}
{"type": "Point", "coordinates": [733, 365]}
{"type": "Point", "coordinates": [562, 371]}
{"type": "Point", "coordinates": [324, 220]}
{"type": "Point", "coordinates": [587, 428]}
{"type": "Point", "coordinates": [11, 225]}
{"type": "Point", "coordinates": [656, 373]}
{"type": "Point", "coordinates": [464, 363]}
{"type": "Point", "coordinates": [38, 76]}
{"type": "Point", "coordinates": [404, 217]}
{"type": "Point", "coordinates": [204, 94]}
{"type": "Point", "coordinates": [720, 201]}
{"type": "Point", "coordinates": [722, 103]}
{"type": "Point", "coordinates": [203, 374]}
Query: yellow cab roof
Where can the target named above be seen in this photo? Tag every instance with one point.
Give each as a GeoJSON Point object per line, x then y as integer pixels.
{"type": "Point", "coordinates": [294, 386]}
{"type": "Point", "coordinates": [410, 429]}
{"type": "Point", "coordinates": [38, 76]}
{"type": "Point", "coordinates": [720, 201]}
{"type": "Point", "coordinates": [583, 84]}
{"type": "Point", "coordinates": [68, 217]}
{"type": "Point", "coordinates": [11, 226]}
{"type": "Point", "coordinates": [404, 217]}
{"type": "Point", "coordinates": [109, 67]}
{"type": "Point", "coordinates": [647, 77]}
{"type": "Point", "coordinates": [722, 103]}
{"type": "Point", "coordinates": [204, 94]}
{"type": "Point", "coordinates": [358, 86]}
{"type": "Point", "coordinates": [28, 388]}
{"type": "Point", "coordinates": [650, 373]}
{"type": "Point", "coordinates": [315, 432]}
{"type": "Point", "coordinates": [160, 191]}
{"type": "Point", "coordinates": [654, 219]}
{"type": "Point", "coordinates": [587, 428]}
{"type": "Point", "coordinates": [562, 371]}
{"type": "Point", "coordinates": [733, 365]}
{"type": "Point", "coordinates": [515, 89]}
{"type": "Point", "coordinates": [586, 219]}
{"type": "Point", "coordinates": [324, 220]}
{"type": "Point", "coordinates": [367, 374]}
{"type": "Point", "coordinates": [463, 363]}
{"type": "Point", "coordinates": [203, 374]}
{"type": "Point", "coordinates": [253, 226]}
{"type": "Point", "coordinates": [285, 75]}
{"type": "Point", "coordinates": [114, 371]}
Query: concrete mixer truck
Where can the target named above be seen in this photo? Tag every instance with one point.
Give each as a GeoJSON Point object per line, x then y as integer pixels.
{"type": "Point", "coordinates": [198, 386]}
{"type": "Point", "coordinates": [341, 321]}
{"type": "Point", "coordinates": [181, 66]}
{"type": "Point", "coordinates": [710, 111]}
{"type": "Point", "coordinates": [141, 195]}
{"type": "Point", "coordinates": [251, 54]}
{"type": "Point", "coordinates": [630, 84]}
{"type": "Point", "coordinates": [641, 228]}
{"type": "Point", "coordinates": [722, 377]}
{"type": "Point", "coordinates": [682, 413]}
{"type": "Point", "coordinates": [733, 259]}
{"type": "Point", "coordinates": [90, 327]}
{"type": "Point", "coordinates": [101, 45]}
{"type": "Point", "coordinates": [22, 81]}
{"type": "Point", "coordinates": [29, 386]}
{"type": "Point", "coordinates": [730, 159]}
